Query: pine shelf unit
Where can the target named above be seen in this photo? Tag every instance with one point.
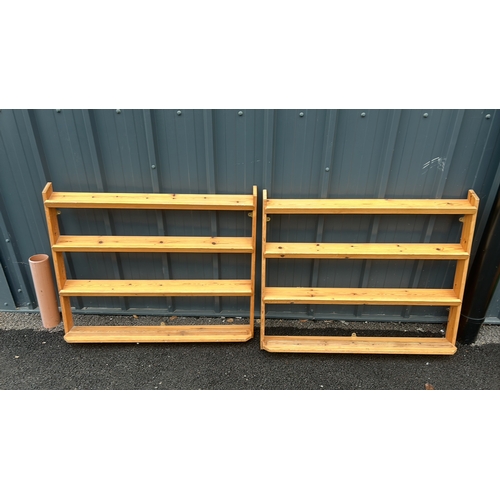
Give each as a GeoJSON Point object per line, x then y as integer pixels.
{"type": "Point", "coordinates": [452, 298]}
{"type": "Point", "coordinates": [53, 201]}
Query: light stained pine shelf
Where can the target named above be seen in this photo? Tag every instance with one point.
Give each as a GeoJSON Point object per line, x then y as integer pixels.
{"type": "Point", "coordinates": [452, 298]}
{"type": "Point", "coordinates": [168, 333]}
{"type": "Point", "coordinates": [181, 244]}
{"type": "Point", "coordinates": [61, 244]}
{"type": "Point", "coordinates": [367, 206]}
{"type": "Point", "coordinates": [150, 201]}
{"type": "Point", "coordinates": [364, 251]}
{"type": "Point", "coordinates": [362, 296]}
{"type": "Point", "coordinates": [156, 288]}
{"type": "Point", "coordinates": [359, 345]}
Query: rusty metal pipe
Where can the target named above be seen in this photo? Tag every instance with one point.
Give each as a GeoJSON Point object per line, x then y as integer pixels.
{"type": "Point", "coordinates": [44, 289]}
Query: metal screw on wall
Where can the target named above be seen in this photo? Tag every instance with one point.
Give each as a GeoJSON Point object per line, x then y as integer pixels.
{"type": "Point", "coordinates": [7, 240]}
{"type": "Point", "coordinates": [58, 110]}
{"type": "Point", "coordinates": [179, 113]}
{"type": "Point", "coordinates": [363, 115]}
{"type": "Point", "coordinates": [301, 114]}
{"type": "Point", "coordinates": [118, 111]}
{"type": "Point", "coordinates": [240, 113]}
{"type": "Point", "coordinates": [488, 116]}
{"type": "Point", "coordinates": [327, 169]}
{"type": "Point", "coordinates": [426, 115]}
{"type": "Point", "coordinates": [19, 290]}
{"type": "Point", "coordinates": [153, 166]}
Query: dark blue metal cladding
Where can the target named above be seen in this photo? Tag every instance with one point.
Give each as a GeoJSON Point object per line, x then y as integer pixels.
{"type": "Point", "coordinates": [297, 153]}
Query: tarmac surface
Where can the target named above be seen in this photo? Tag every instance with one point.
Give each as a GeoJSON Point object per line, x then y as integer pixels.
{"type": "Point", "coordinates": [32, 357]}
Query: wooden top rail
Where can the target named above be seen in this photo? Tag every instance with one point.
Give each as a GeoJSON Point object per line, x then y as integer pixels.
{"type": "Point", "coordinates": [148, 201]}
{"type": "Point", "coordinates": [370, 206]}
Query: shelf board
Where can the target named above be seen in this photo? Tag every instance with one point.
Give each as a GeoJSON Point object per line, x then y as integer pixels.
{"type": "Point", "coordinates": [368, 206]}
{"type": "Point", "coordinates": [183, 244]}
{"type": "Point", "coordinates": [359, 345]}
{"type": "Point", "coordinates": [152, 288]}
{"type": "Point", "coordinates": [436, 251]}
{"type": "Point", "coordinates": [169, 333]}
{"type": "Point", "coordinates": [150, 201]}
{"type": "Point", "coordinates": [365, 296]}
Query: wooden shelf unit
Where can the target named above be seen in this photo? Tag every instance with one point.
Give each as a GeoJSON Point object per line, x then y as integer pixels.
{"type": "Point", "coordinates": [451, 298]}
{"type": "Point", "coordinates": [53, 201]}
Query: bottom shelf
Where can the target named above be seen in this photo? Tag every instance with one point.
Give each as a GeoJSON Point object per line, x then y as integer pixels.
{"type": "Point", "coordinates": [139, 334]}
{"type": "Point", "coordinates": [360, 345]}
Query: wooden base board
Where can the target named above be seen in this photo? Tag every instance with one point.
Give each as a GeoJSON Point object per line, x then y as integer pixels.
{"type": "Point", "coordinates": [145, 334]}
{"type": "Point", "coordinates": [358, 345]}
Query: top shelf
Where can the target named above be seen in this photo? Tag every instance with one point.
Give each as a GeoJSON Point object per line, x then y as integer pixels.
{"type": "Point", "coordinates": [149, 201]}
{"type": "Point", "coordinates": [371, 206]}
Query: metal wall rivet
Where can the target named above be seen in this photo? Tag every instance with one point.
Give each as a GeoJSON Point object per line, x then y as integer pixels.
{"type": "Point", "coordinates": [488, 117]}
{"type": "Point", "coordinates": [363, 115]}
{"type": "Point", "coordinates": [240, 113]}
{"type": "Point", "coordinates": [153, 166]}
{"type": "Point", "coordinates": [118, 111]}
{"type": "Point", "coordinates": [426, 115]}
{"type": "Point", "coordinates": [5, 303]}
{"type": "Point", "coordinates": [301, 114]}
{"type": "Point", "coordinates": [327, 169]}
{"type": "Point", "coordinates": [28, 303]}
{"type": "Point", "coordinates": [7, 240]}
{"type": "Point", "coordinates": [179, 112]}
{"type": "Point", "coordinates": [58, 110]}
{"type": "Point", "coordinates": [19, 290]}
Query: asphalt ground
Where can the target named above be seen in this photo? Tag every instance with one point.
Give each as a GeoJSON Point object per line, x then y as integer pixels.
{"type": "Point", "coordinates": [231, 421]}
{"type": "Point", "coordinates": [32, 357]}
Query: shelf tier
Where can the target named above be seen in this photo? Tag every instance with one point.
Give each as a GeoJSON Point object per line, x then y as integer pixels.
{"type": "Point", "coordinates": [358, 345]}
{"type": "Point", "coordinates": [436, 251]}
{"type": "Point", "coordinates": [182, 244]}
{"type": "Point", "coordinates": [370, 206]}
{"type": "Point", "coordinates": [152, 288]}
{"type": "Point", "coordinates": [151, 201]}
{"type": "Point", "coordinates": [364, 296]}
{"type": "Point", "coordinates": [169, 333]}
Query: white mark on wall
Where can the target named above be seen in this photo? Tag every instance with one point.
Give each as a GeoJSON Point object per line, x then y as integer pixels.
{"type": "Point", "coordinates": [437, 162]}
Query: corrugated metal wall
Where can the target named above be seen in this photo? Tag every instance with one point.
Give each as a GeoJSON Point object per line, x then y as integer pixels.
{"type": "Point", "coordinates": [292, 153]}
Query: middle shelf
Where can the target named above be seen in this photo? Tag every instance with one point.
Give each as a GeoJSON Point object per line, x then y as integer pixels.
{"type": "Point", "coordinates": [154, 288]}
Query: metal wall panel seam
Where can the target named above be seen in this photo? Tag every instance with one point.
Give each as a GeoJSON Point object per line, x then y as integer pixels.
{"type": "Point", "coordinates": [22, 295]}
{"type": "Point", "coordinates": [35, 149]}
{"type": "Point", "coordinates": [42, 172]}
{"type": "Point", "coordinates": [31, 207]}
{"type": "Point", "coordinates": [486, 203]}
{"type": "Point", "coordinates": [383, 179]}
{"type": "Point", "coordinates": [268, 152]}
{"type": "Point", "coordinates": [208, 133]}
{"type": "Point", "coordinates": [7, 302]}
{"type": "Point", "coordinates": [155, 186]}
{"type": "Point", "coordinates": [101, 186]}
{"type": "Point", "coordinates": [330, 135]}
{"type": "Point", "coordinates": [418, 266]}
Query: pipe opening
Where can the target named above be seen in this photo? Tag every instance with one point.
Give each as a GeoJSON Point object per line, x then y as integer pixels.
{"type": "Point", "coordinates": [41, 257]}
